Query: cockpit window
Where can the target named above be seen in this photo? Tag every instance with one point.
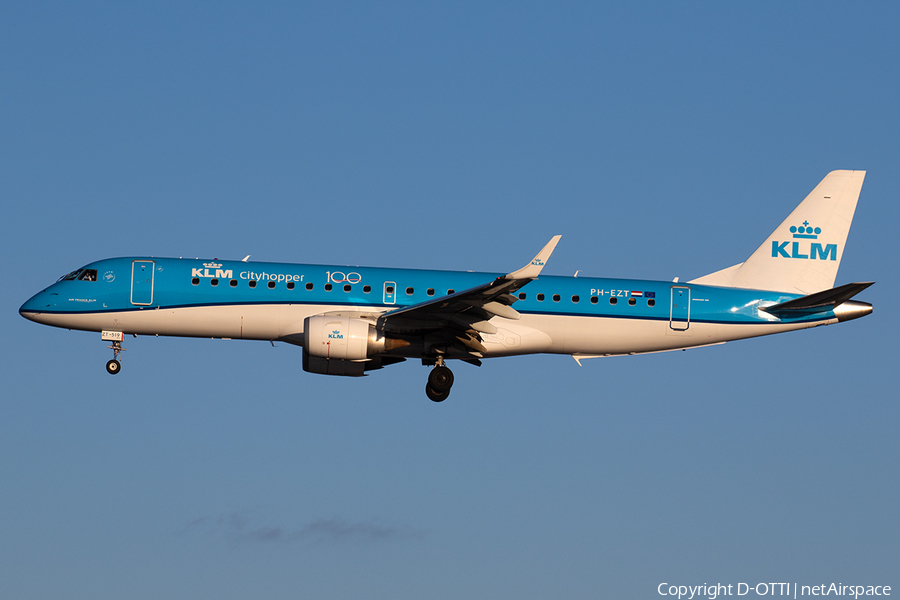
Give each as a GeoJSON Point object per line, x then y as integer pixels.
{"type": "Point", "coordinates": [71, 275]}
{"type": "Point", "coordinates": [88, 275]}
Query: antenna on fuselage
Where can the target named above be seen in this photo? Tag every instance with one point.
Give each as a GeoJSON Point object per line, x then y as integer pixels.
{"type": "Point", "coordinates": [246, 258]}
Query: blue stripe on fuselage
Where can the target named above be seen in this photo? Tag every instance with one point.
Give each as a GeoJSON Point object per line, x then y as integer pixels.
{"type": "Point", "coordinates": [173, 288]}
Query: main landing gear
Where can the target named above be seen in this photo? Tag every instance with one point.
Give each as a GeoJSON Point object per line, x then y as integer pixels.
{"type": "Point", "coordinates": [440, 380]}
{"type": "Point", "coordinates": [114, 366]}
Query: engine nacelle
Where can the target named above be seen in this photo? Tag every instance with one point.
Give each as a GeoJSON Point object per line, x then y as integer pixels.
{"type": "Point", "coordinates": [342, 338]}
{"type": "Point", "coordinates": [344, 346]}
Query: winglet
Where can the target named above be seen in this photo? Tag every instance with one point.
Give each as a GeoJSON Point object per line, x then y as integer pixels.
{"type": "Point", "coordinates": [533, 269]}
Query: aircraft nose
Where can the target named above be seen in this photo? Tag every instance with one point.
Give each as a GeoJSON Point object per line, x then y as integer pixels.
{"type": "Point", "coordinates": [35, 305]}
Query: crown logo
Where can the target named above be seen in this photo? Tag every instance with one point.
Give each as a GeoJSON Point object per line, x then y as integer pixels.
{"type": "Point", "coordinates": [806, 231]}
{"type": "Point", "coordinates": [212, 265]}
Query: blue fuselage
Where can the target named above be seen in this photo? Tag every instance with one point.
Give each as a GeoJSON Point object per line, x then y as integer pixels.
{"type": "Point", "coordinates": [137, 284]}
{"type": "Point", "coordinates": [113, 290]}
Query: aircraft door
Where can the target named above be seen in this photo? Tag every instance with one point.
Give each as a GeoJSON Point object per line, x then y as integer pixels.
{"type": "Point", "coordinates": [680, 311]}
{"type": "Point", "coordinates": [390, 292]}
{"type": "Point", "coordinates": [142, 282]}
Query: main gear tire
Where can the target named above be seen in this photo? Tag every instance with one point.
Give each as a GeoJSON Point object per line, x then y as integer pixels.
{"type": "Point", "coordinates": [436, 396]}
{"type": "Point", "coordinates": [440, 379]}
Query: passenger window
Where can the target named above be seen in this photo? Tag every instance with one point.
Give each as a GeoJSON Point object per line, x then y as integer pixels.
{"type": "Point", "coordinates": [430, 291]}
{"type": "Point", "coordinates": [632, 302]}
{"type": "Point", "coordinates": [522, 296]}
{"type": "Point", "coordinates": [540, 297]}
{"type": "Point", "coordinates": [195, 281]}
{"type": "Point", "coordinates": [594, 299]}
{"type": "Point", "coordinates": [252, 283]}
{"type": "Point", "coordinates": [347, 287]}
{"type": "Point", "coordinates": [271, 285]}
{"type": "Point", "coordinates": [213, 282]}
{"type": "Point", "coordinates": [556, 297]}
{"type": "Point", "coordinates": [88, 275]}
{"type": "Point", "coordinates": [367, 289]}
{"type": "Point", "coordinates": [409, 291]}
{"type": "Point", "coordinates": [327, 287]}
{"type": "Point", "coordinates": [233, 283]}
{"type": "Point", "coordinates": [309, 286]}
{"type": "Point", "coordinates": [389, 289]}
{"type": "Point", "coordinates": [451, 292]}
{"type": "Point", "coordinates": [651, 302]}
{"type": "Point", "coordinates": [575, 299]}
{"type": "Point", "coordinates": [290, 285]}
{"type": "Point", "coordinates": [613, 300]}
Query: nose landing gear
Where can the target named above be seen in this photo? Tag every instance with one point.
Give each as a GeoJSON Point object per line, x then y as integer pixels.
{"type": "Point", "coordinates": [440, 380]}
{"type": "Point", "coordinates": [114, 366]}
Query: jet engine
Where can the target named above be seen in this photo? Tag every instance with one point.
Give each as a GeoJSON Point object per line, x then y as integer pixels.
{"type": "Point", "coordinates": [343, 345]}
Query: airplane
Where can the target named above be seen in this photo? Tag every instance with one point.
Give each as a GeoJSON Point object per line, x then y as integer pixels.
{"type": "Point", "coordinates": [351, 320]}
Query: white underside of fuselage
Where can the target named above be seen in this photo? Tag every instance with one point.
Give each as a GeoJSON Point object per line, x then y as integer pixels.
{"type": "Point", "coordinates": [532, 334]}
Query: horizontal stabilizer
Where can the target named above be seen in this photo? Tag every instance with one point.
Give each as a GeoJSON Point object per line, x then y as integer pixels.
{"type": "Point", "coordinates": [818, 302]}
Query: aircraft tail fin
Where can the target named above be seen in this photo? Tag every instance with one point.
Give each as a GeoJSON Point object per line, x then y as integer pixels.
{"type": "Point", "coordinates": [803, 254]}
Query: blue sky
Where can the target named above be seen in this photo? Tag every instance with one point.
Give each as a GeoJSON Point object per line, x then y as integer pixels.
{"type": "Point", "coordinates": [660, 139]}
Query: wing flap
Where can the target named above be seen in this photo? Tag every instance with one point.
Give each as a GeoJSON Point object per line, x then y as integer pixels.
{"type": "Point", "coordinates": [501, 310]}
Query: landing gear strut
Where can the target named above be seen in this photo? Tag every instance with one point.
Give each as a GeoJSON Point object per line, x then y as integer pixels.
{"type": "Point", "coordinates": [114, 366]}
{"type": "Point", "coordinates": [440, 380]}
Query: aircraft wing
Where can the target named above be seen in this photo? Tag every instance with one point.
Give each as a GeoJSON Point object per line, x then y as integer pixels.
{"type": "Point", "coordinates": [457, 320]}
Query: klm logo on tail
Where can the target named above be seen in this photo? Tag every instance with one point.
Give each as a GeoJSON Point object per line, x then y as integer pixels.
{"type": "Point", "coordinates": [813, 250]}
